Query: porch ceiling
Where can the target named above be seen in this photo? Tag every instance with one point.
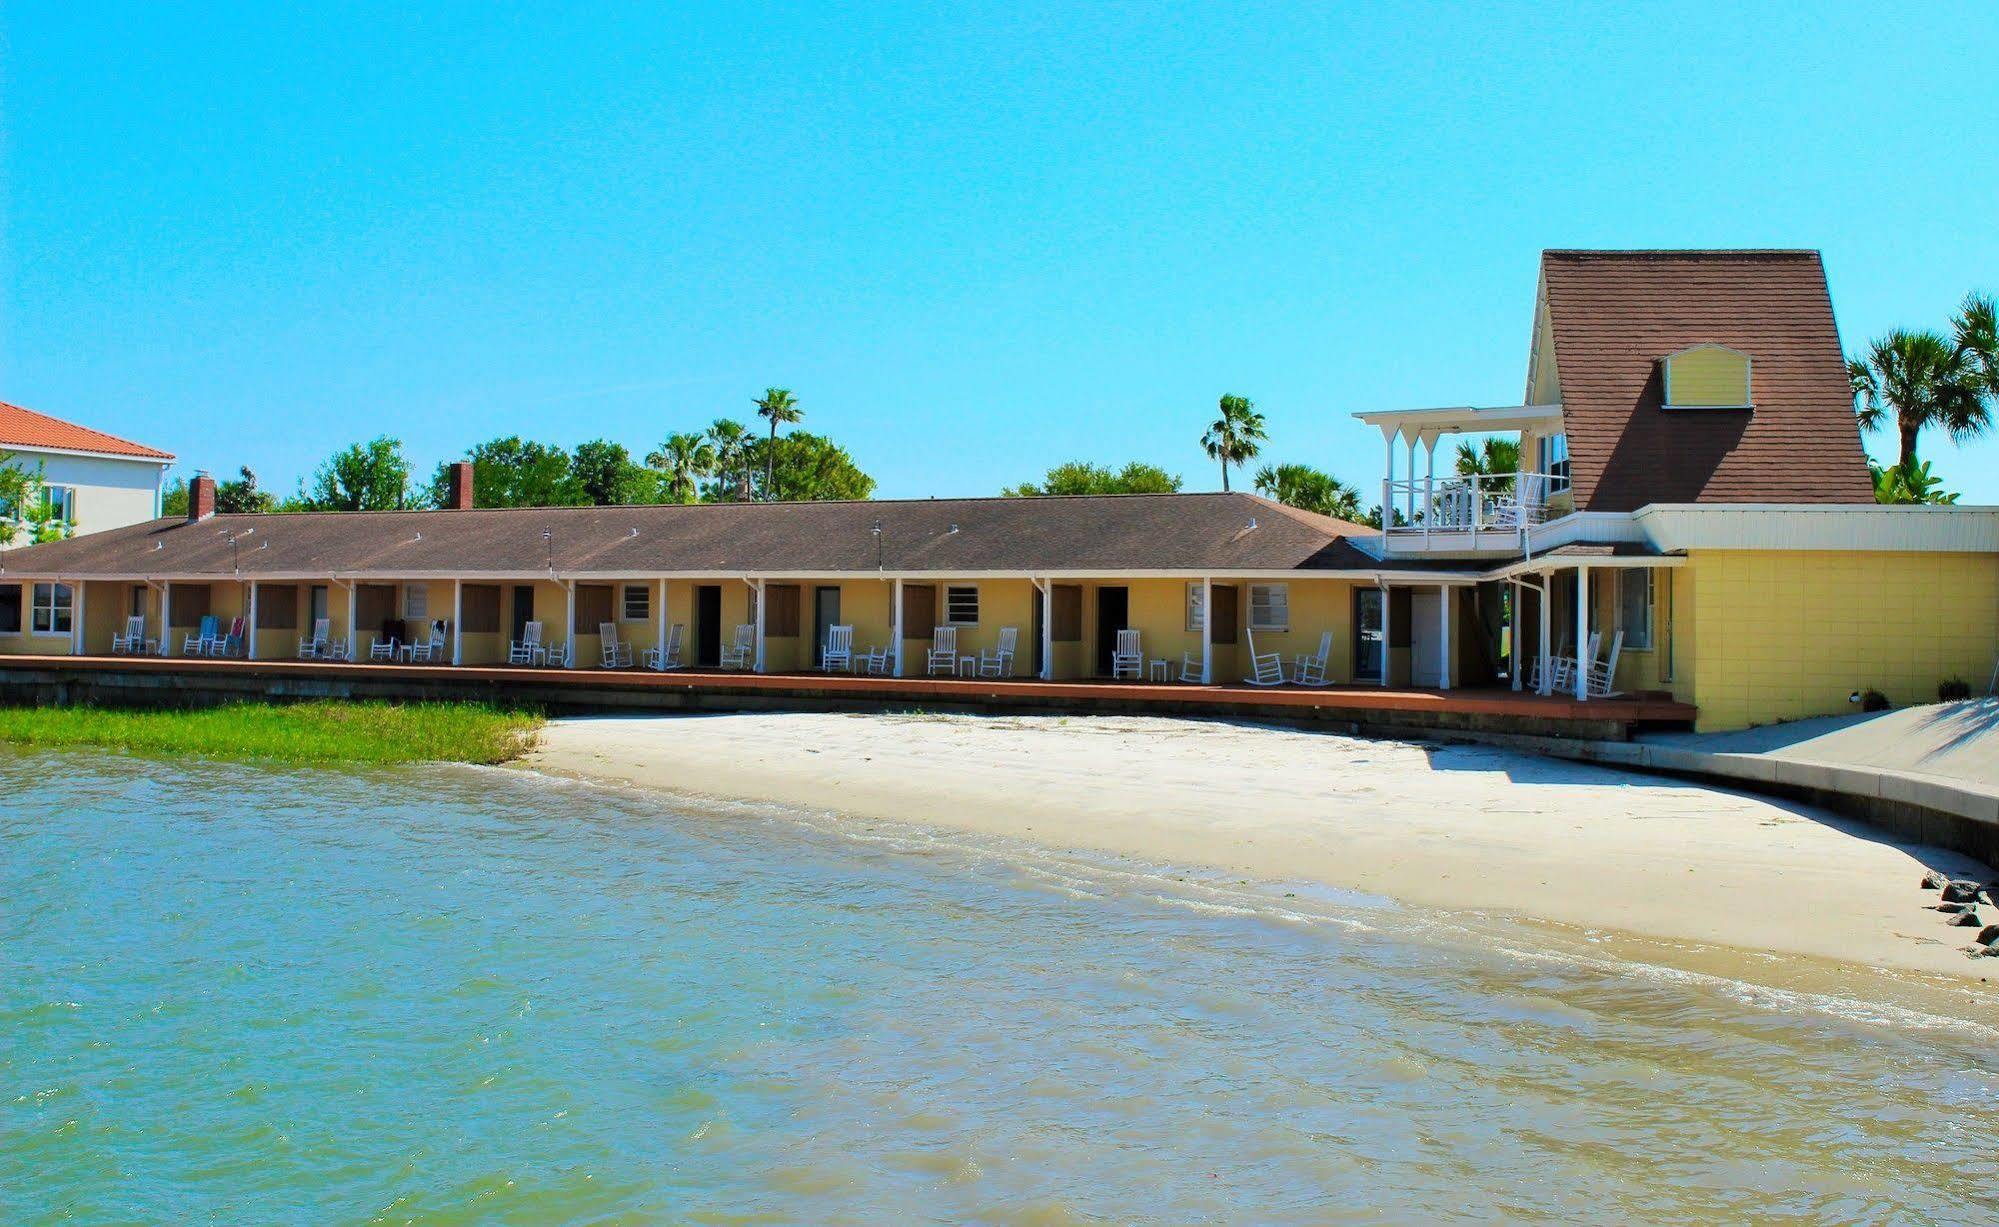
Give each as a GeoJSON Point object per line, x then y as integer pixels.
{"type": "Point", "coordinates": [1460, 419]}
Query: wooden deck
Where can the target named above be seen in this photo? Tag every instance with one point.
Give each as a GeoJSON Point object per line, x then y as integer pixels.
{"type": "Point", "coordinates": [178, 680]}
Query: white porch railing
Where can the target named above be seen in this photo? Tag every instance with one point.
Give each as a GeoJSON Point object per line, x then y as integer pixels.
{"type": "Point", "coordinates": [1502, 504]}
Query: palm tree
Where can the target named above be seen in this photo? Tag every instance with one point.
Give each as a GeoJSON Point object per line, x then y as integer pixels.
{"type": "Point", "coordinates": [731, 441]}
{"type": "Point", "coordinates": [1495, 460]}
{"type": "Point", "coordinates": [684, 458]}
{"type": "Point", "coordinates": [1976, 330]}
{"type": "Point", "coordinates": [1234, 436]}
{"type": "Point", "coordinates": [1310, 489]}
{"type": "Point", "coordinates": [779, 407]}
{"type": "Point", "coordinates": [1919, 379]}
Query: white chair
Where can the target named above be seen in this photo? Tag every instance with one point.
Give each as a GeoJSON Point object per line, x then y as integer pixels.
{"type": "Point", "coordinates": [316, 645]}
{"type": "Point", "coordinates": [336, 649]}
{"type": "Point", "coordinates": [1565, 666]}
{"type": "Point", "coordinates": [1524, 505]}
{"type": "Point", "coordinates": [197, 643]}
{"type": "Point", "coordinates": [1311, 670]}
{"type": "Point", "coordinates": [1598, 681]}
{"type": "Point", "coordinates": [943, 652]}
{"type": "Point", "coordinates": [133, 642]}
{"type": "Point", "coordinates": [385, 647]}
{"type": "Point", "coordinates": [1543, 668]}
{"type": "Point", "coordinates": [427, 651]}
{"type": "Point", "coordinates": [670, 657]}
{"type": "Point", "coordinates": [1192, 667]}
{"type": "Point", "coordinates": [740, 652]}
{"type": "Point", "coordinates": [874, 661]}
{"type": "Point", "coordinates": [1126, 656]}
{"type": "Point", "coordinates": [998, 661]}
{"type": "Point", "coordinates": [1265, 668]}
{"type": "Point", "coordinates": [526, 650]}
{"type": "Point", "coordinates": [839, 654]}
{"type": "Point", "coordinates": [613, 651]}
{"type": "Point", "coordinates": [230, 642]}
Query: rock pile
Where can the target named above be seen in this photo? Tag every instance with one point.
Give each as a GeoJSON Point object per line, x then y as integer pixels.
{"type": "Point", "coordinates": [1958, 901]}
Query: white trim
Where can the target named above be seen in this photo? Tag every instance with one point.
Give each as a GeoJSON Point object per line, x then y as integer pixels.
{"type": "Point", "coordinates": [1460, 419]}
{"type": "Point", "coordinates": [1470, 574]}
{"type": "Point", "coordinates": [1844, 527]}
{"type": "Point", "coordinates": [26, 449]}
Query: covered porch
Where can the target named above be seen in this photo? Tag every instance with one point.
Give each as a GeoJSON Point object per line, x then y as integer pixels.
{"type": "Point", "coordinates": [1469, 513]}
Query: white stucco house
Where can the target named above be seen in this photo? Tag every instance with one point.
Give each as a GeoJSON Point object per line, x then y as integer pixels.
{"type": "Point", "coordinates": [98, 481]}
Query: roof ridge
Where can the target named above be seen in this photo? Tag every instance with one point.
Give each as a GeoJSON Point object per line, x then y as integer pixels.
{"type": "Point", "coordinates": [1714, 253]}
{"type": "Point", "coordinates": [735, 503]}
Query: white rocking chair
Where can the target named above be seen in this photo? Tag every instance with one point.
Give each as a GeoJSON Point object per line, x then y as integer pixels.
{"type": "Point", "coordinates": [614, 652]}
{"type": "Point", "coordinates": [838, 656]}
{"type": "Point", "coordinates": [943, 656]}
{"type": "Point", "coordinates": [740, 652]}
{"type": "Point", "coordinates": [1127, 656]}
{"type": "Point", "coordinates": [670, 658]}
{"type": "Point", "coordinates": [1598, 681]}
{"type": "Point", "coordinates": [1265, 668]}
{"type": "Point", "coordinates": [1311, 670]}
{"type": "Point", "coordinates": [998, 661]}
{"type": "Point", "coordinates": [317, 645]}
{"type": "Point", "coordinates": [133, 642]}
{"type": "Point", "coordinates": [527, 650]}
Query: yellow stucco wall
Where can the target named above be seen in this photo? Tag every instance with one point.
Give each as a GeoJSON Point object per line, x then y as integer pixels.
{"type": "Point", "coordinates": [1780, 636]}
{"type": "Point", "coordinates": [1708, 375]}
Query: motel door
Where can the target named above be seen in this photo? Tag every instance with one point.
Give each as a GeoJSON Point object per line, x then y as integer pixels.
{"type": "Point", "coordinates": [708, 625]}
{"type": "Point", "coordinates": [1113, 615]}
{"type": "Point", "coordinates": [1370, 619]}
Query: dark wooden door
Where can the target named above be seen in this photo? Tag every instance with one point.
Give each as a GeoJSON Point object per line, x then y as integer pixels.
{"type": "Point", "coordinates": [708, 625]}
{"type": "Point", "coordinates": [825, 616]}
{"type": "Point", "coordinates": [1113, 615]}
{"type": "Point", "coordinates": [523, 612]}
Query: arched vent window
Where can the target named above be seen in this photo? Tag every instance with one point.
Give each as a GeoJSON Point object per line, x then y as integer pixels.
{"type": "Point", "coordinates": [1707, 377]}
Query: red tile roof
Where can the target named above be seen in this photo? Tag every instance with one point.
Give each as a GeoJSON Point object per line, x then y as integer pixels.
{"type": "Point", "coordinates": [25, 428]}
{"type": "Point", "coordinates": [1615, 314]}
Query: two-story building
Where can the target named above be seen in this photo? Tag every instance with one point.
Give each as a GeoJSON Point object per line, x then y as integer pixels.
{"type": "Point", "coordinates": [91, 479]}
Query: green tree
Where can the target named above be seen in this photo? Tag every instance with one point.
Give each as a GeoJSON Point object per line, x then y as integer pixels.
{"type": "Point", "coordinates": [1495, 460]}
{"type": "Point", "coordinates": [778, 407]}
{"type": "Point", "coordinates": [605, 473]}
{"type": "Point", "coordinates": [1309, 489]}
{"type": "Point", "coordinates": [806, 467]}
{"type": "Point", "coordinates": [1915, 483]}
{"type": "Point", "coordinates": [730, 441]}
{"type": "Point", "coordinates": [513, 472]}
{"type": "Point", "coordinates": [23, 507]}
{"type": "Point", "coordinates": [1082, 477]}
{"type": "Point", "coordinates": [1976, 331]}
{"type": "Point", "coordinates": [241, 495]}
{"type": "Point", "coordinates": [173, 498]}
{"type": "Point", "coordinates": [372, 476]}
{"type": "Point", "coordinates": [682, 460]}
{"type": "Point", "coordinates": [1916, 380]}
{"type": "Point", "coordinates": [1235, 437]}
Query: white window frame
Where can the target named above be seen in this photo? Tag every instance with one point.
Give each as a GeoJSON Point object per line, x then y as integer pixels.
{"type": "Point", "coordinates": [26, 620]}
{"type": "Point", "coordinates": [644, 594]}
{"type": "Point", "coordinates": [416, 602]}
{"type": "Point", "coordinates": [1197, 614]}
{"type": "Point", "coordinates": [1274, 596]}
{"type": "Point", "coordinates": [1628, 575]}
{"type": "Point", "coordinates": [62, 600]}
{"type": "Point", "coordinates": [953, 596]}
{"type": "Point", "coordinates": [66, 496]}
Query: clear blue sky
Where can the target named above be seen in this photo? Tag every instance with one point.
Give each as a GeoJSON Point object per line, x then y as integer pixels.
{"type": "Point", "coordinates": [975, 242]}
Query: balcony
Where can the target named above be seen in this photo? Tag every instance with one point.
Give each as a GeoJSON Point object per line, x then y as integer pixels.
{"type": "Point", "coordinates": [1475, 514]}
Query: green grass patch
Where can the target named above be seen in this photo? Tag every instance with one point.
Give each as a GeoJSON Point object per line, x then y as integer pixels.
{"type": "Point", "coordinates": [317, 732]}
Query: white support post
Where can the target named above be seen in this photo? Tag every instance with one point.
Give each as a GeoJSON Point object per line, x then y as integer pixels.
{"type": "Point", "coordinates": [1429, 485]}
{"type": "Point", "coordinates": [76, 620]}
{"type": "Point", "coordinates": [1388, 486]}
{"type": "Point", "coordinates": [1411, 498]}
{"type": "Point", "coordinates": [1444, 592]}
{"type": "Point", "coordinates": [762, 612]}
{"type": "Point", "coordinates": [1207, 630]}
{"type": "Point", "coordinates": [569, 643]}
{"type": "Point", "coordinates": [895, 625]}
{"type": "Point", "coordinates": [166, 615]}
{"type": "Point", "coordinates": [1047, 589]}
{"type": "Point", "coordinates": [1513, 632]}
{"type": "Point", "coordinates": [457, 621]}
{"type": "Point", "coordinates": [353, 631]}
{"type": "Point", "coordinates": [1582, 631]}
{"type": "Point", "coordinates": [1386, 619]}
{"type": "Point", "coordinates": [1542, 592]}
{"type": "Point", "coordinates": [660, 627]}
{"type": "Point", "coordinates": [250, 626]}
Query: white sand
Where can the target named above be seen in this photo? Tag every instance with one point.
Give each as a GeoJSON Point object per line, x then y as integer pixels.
{"type": "Point", "coordinates": [1460, 827]}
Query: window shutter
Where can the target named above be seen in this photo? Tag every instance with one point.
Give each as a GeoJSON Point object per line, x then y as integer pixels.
{"type": "Point", "coordinates": [479, 612]}
{"type": "Point", "coordinates": [277, 607]}
{"type": "Point", "coordinates": [781, 612]}
{"type": "Point", "coordinates": [1067, 625]}
{"type": "Point", "coordinates": [919, 610]}
{"type": "Point", "coordinates": [593, 606]}
{"type": "Point", "coordinates": [190, 603]}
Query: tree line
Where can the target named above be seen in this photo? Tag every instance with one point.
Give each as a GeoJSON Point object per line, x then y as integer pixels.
{"type": "Point", "coordinates": [727, 462]}
{"type": "Point", "coordinates": [1912, 380]}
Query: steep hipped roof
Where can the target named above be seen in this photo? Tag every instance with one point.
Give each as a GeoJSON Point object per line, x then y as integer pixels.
{"type": "Point", "coordinates": [1182, 533]}
{"type": "Point", "coordinates": [1615, 314]}
{"type": "Point", "coordinates": [24, 428]}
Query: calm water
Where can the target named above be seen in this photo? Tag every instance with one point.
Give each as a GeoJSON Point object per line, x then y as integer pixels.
{"type": "Point", "coordinates": [455, 996]}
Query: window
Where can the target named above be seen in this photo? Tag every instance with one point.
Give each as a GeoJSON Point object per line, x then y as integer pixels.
{"type": "Point", "coordinates": [52, 609]}
{"type": "Point", "coordinates": [60, 503]}
{"type": "Point", "coordinates": [1634, 606]}
{"type": "Point", "coordinates": [1269, 607]}
{"type": "Point", "coordinates": [10, 609]}
{"type": "Point", "coordinates": [416, 602]}
{"type": "Point", "coordinates": [1196, 615]}
{"type": "Point", "coordinates": [638, 603]}
{"type": "Point", "coordinates": [961, 606]}
{"type": "Point", "coordinates": [1707, 377]}
{"type": "Point", "coordinates": [1554, 461]}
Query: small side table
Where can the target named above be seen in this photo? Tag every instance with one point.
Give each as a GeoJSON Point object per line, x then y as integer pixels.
{"type": "Point", "coordinates": [1162, 671]}
{"type": "Point", "coordinates": [968, 666]}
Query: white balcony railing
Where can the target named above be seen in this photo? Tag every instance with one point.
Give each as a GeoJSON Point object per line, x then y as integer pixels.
{"type": "Point", "coordinates": [1495, 504]}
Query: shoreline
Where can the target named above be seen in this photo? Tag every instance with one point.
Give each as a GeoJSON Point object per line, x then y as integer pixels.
{"type": "Point", "coordinates": [1468, 828]}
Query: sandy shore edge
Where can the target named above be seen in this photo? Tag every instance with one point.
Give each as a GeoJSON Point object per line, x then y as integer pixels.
{"type": "Point", "coordinates": [1463, 827]}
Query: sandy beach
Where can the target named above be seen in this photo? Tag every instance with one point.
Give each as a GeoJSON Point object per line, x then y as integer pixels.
{"type": "Point", "coordinates": [1463, 827]}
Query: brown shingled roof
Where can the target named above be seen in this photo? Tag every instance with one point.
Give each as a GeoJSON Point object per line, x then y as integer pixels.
{"type": "Point", "coordinates": [26, 428]}
{"type": "Point", "coordinates": [1181, 533]}
{"type": "Point", "coordinates": [1615, 314]}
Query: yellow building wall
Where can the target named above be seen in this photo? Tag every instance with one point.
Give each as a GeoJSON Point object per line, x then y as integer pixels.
{"type": "Point", "coordinates": [1785, 635]}
{"type": "Point", "coordinates": [1708, 376]}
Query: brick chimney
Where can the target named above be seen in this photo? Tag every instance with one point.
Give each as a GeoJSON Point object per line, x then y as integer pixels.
{"type": "Point", "coordinates": [461, 486]}
{"type": "Point", "coordinates": [200, 498]}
